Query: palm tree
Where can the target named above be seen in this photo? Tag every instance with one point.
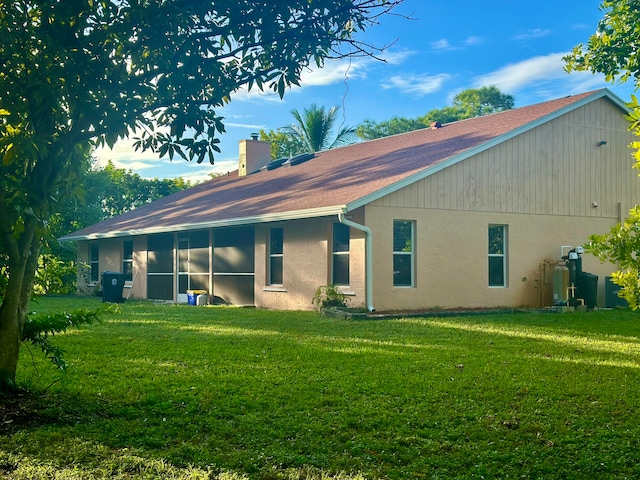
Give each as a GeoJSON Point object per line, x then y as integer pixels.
{"type": "Point", "coordinates": [314, 127]}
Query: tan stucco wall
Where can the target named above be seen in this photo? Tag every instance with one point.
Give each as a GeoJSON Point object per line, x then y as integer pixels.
{"type": "Point", "coordinates": [111, 255]}
{"type": "Point", "coordinates": [306, 264]}
{"type": "Point", "coordinates": [452, 257]}
{"type": "Point", "coordinates": [110, 259]}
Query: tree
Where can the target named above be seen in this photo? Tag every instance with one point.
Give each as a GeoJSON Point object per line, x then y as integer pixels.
{"type": "Point", "coordinates": [369, 129]}
{"type": "Point", "coordinates": [112, 191]}
{"type": "Point", "coordinates": [621, 246]}
{"type": "Point", "coordinates": [312, 131]}
{"type": "Point", "coordinates": [470, 103]}
{"type": "Point", "coordinates": [282, 144]}
{"type": "Point", "coordinates": [613, 51]}
{"type": "Point", "coordinates": [476, 102]}
{"type": "Point", "coordinates": [80, 73]}
{"type": "Point", "coordinates": [313, 128]}
{"type": "Point", "coordinates": [106, 192]}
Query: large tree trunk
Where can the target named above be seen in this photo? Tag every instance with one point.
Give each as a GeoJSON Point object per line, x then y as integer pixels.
{"type": "Point", "coordinates": [13, 311]}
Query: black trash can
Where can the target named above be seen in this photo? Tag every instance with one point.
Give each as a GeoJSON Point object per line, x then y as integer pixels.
{"type": "Point", "coordinates": [588, 289]}
{"type": "Point", "coordinates": [112, 286]}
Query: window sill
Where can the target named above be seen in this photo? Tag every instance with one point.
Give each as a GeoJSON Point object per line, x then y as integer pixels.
{"type": "Point", "coordinates": [274, 289]}
{"type": "Point", "coordinates": [348, 293]}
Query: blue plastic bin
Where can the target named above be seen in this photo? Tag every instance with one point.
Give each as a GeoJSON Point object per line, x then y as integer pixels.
{"type": "Point", "coordinates": [192, 296]}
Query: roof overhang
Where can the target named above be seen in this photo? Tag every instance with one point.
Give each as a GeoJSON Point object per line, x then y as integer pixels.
{"type": "Point", "coordinates": [230, 222]}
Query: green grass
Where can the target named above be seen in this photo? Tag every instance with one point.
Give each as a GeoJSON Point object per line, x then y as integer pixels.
{"type": "Point", "coordinates": [165, 391]}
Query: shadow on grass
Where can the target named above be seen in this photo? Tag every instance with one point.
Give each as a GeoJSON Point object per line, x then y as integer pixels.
{"type": "Point", "coordinates": [271, 395]}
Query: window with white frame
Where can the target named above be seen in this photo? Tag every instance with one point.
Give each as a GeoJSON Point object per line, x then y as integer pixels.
{"type": "Point", "coordinates": [403, 253]}
{"type": "Point", "coordinates": [340, 254]}
{"type": "Point", "coordinates": [94, 262]}
{"type": "Point", "coordinates": [276, 251]}
{"type": "Point", "coordinates": [497, 255]}
{"type": "Point", "coordinates": [127, 260]}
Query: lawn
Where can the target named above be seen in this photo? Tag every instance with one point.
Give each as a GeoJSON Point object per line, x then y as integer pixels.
{"type": "Point", "coordinates": [173, 391]}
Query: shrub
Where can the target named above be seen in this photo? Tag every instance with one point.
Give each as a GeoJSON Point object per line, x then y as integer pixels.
{"type": "Point", "coordinates": [329, 296]}
{"type": "Point", "coordinates": [55, 276]}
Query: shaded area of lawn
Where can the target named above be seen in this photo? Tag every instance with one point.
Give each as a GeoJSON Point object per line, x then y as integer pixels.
{"type": "Point", "coordinates": [188, 392]}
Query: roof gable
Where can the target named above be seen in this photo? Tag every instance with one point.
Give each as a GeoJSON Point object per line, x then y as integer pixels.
{"type": "Point", "coordinates": [337, 180]}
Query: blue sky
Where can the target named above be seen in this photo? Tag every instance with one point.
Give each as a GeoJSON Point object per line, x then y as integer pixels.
{"type": "Point", "coordinates": [447, 46]}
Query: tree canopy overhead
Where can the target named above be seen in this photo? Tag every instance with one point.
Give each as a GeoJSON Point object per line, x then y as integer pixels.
{"type": "Point", "coordinates": [91, 69]}
{"type": "Point", "coordinates": [613, 49]}
{"type": "Point", "coordinates": [79, 73]}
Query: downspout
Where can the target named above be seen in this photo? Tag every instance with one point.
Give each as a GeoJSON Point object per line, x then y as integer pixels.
{"type": "Point", "coordinates": [368, 253]}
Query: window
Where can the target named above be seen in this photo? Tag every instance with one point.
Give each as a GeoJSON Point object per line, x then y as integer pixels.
{"type": "Point", "coordinates": [127, 260]}
{"type": "Point", "coordinates": [403, 243]}
{"type": "Point", "coordinates": [94, 262]}
{"type": "Point", "coordinates": [497, 255]}
{"type": "Point", "coordinates": [340, 254]}
{"type": "Point", "coordinates": [276, 248]}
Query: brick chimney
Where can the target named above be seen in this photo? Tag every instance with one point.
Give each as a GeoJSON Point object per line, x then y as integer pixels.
{"type": "Point", "coordinates": [253, 155]}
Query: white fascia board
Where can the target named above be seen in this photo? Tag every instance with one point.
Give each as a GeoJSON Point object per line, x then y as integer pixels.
{"type": "Point", "coordinates": [485, 146]}
{"type": "Point", "coordinates": [230, 222]}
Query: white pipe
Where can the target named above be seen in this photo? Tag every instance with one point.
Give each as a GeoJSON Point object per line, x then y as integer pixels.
{"type": "Point", "coordinates": [562, 249]}
{"type": "Point", "coordinates": [368, 253]}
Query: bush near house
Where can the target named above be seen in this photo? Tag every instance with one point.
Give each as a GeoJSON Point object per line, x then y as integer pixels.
{"type": "Point", "coordinates": [328, 296]}
{"type": "Point", "coordinates": [164, 391]}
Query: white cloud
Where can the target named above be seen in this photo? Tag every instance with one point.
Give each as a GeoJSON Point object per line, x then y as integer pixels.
{"type": "Point", "coordinates": [442, 44]}
{"type": "Point", "coordinates": [244, 125]}
{"type": "Point", "coordinates": [544, 74]}
{"type": "Point", "coordinates": [472, 40]}
{"type": "Point", "coordinates": [122, 154]}
{"type": "Point", "coordinates": [417, 85]}
{"type": "Point", "coordinates": [245, 95]}
{"type": "Point", "coordinates": [531, 34]}
{"type": "Point", "coordinates": [517, 75]}
{"type": "Point", "coordinates": [333, 71]}
{"type": "Point", "coordinates": [396, 57]}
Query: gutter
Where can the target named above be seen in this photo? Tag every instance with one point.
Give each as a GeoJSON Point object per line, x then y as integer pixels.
{"type": "Point", "coordinates": [230, 222]}
{"type": "Point", "coordinates": [368, 253]}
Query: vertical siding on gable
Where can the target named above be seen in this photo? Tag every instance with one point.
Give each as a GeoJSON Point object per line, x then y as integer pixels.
{"type": "Point", "coordinates": [555, 169]}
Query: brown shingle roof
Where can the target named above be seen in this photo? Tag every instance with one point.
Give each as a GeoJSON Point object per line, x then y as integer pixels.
{"type": "Point", "coordinates": [342, 178]}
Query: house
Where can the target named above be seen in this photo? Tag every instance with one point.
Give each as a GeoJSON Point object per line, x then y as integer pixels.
{"type": "Point", "coordinates": [468, 214]}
